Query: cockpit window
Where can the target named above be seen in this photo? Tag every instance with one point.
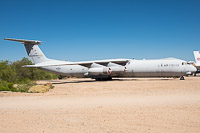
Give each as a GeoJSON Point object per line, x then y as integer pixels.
{"type": "Point", "coordinates": [184, 63]}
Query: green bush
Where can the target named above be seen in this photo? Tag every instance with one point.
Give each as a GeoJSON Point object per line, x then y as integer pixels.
{"type": "Point", "coordinates": [6, 86]}
{"type": "Point", "coordinates": [13, 73]}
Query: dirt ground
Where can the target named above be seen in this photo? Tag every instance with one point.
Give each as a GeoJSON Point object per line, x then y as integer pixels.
{"type": "Point", "coordinates": [121, 106]}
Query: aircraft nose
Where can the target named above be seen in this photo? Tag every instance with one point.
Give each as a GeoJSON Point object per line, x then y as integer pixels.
{"type": "Point", "coordinates": [193, 69]}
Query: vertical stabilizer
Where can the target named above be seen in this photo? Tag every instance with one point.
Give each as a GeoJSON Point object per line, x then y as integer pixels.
{"type": "Point", "coordinates": [35, 53]}
{"type": "Point", "coordinates": [32, 49]}
{"type": "Point", "coordinates": [197, 57]}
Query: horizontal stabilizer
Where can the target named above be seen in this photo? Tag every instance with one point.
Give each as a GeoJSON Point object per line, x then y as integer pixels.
{"type": "Point", "coordinates": [30, 66]}
{"type": "Point", "coordinates": [35, 42]}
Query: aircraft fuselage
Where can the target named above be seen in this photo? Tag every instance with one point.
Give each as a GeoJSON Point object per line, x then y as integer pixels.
{"type": "Point", "coordinates": [133, 68]}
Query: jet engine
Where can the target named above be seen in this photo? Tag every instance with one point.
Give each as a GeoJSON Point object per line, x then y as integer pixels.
{"type": "Point", "coordinates": [99, 71]}
{"type": "Point", "coordinates": [118, 69]}
{"type": "Point", "coordinates": [106, 70]}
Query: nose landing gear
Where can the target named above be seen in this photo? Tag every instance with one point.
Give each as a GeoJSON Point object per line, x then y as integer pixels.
{"type": "Point", "coordinates": [182, 78]}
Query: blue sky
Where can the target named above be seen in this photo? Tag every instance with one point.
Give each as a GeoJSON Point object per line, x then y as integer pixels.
{"type": "Point", "coordinates": [78, 30]}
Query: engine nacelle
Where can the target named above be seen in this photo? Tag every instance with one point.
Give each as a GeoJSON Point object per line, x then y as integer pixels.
{"type": "Point", "coordinates": [106, 70]}
{"type": "Point", "coordinates": [118, 69]}
{"type": "Point", "coordinates": [99, 71]}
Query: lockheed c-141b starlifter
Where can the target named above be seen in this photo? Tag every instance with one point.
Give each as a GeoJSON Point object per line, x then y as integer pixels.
{"type": "Point", "coordinates": [106, 69]}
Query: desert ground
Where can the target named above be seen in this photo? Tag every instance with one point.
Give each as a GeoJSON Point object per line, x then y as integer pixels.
{"type": "Point", "coordinates": [155, 105]}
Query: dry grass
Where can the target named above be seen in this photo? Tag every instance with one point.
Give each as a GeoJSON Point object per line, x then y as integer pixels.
{"type": "Point", "coordinates": [40, 88]}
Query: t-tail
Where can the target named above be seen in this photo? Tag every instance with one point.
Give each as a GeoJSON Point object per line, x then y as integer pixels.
{"type": "Point", "coordinates": [32, 49]}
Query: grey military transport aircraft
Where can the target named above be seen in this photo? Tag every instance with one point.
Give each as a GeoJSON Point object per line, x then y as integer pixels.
{"type": "Point", "coordinates": [106, 69]}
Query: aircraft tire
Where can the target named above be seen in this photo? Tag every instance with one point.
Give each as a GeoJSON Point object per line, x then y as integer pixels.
{"type": "Point", "coordinates": [182, 78]}
{"type": "Point", "coordinates": [60, 77]}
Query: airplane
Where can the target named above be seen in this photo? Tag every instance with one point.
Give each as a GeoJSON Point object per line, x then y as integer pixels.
{"type": "Point", "coordinates": [197, 63]}
{"type": "Point", "coordinates": [107, 69]}
{"type": "Point", "coordinates": [197, 59]}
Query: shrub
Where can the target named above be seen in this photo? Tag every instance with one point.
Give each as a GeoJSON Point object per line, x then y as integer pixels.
{"type": "Point", "coordinates": [13, 73]}
{"type": "Point", "coordinates": [6, 86]}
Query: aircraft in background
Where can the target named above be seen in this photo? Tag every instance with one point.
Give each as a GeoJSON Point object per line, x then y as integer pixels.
{"type": "Point", "coordinates": [106, 69]}
{"type": "Point", "coordinates": [197, 61]}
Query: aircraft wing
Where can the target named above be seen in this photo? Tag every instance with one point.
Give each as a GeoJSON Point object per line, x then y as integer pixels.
{"type": "Point", "coordinates": [101, 62]}
{"type": "Point", "coordinates": [82, 63]}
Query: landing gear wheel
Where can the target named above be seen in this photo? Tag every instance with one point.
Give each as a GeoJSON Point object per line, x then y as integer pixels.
{"type": "Point", "coordinates": [98, 79]}
{"type": "Point", "coordinates": [182, 78]}
{"type": "Point", "coordinates": [109, 78]}
{"type": "Point", "coordinates": [60, 77]}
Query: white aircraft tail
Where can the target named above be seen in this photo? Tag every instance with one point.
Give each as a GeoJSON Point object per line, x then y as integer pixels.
{"type": "Point", "coordinates": [197, 57]}
{"type": "Point", "coordinates": [32, 49]}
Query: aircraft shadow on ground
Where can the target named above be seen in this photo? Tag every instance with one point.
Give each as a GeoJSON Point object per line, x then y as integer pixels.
{"type": "Point", "coordinates": [85, 81]}
{"type": "Point", "coordinates": [68, 82]}
{"type": "Point", "coordinates": [141, 79]}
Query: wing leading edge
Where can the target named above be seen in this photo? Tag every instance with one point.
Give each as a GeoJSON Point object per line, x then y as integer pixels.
{"type": "Point", "coordinates": [82, 63]}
